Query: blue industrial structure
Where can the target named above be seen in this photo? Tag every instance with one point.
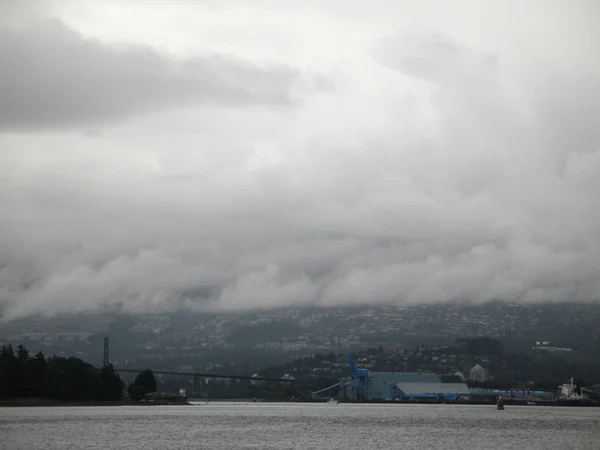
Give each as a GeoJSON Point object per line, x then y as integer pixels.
{"type": "Point", "coordinates": [362, 385]}
{"type": "Point", "coordinates": [359, 386]}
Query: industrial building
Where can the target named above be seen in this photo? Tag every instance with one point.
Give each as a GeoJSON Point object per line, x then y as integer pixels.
{"type": "Point", "coordinates": [362, 385]}
{"type": "Point", "coordinates": [440, 391]}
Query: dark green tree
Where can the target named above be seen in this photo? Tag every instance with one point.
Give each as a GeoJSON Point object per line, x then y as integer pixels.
{"type": "Point", "coordinates": [37, 368]}
{"type": "Point", "coordinates": [72, 379]}
{"type": "Point", "coordinates": [8, 371]}
{"type": "Point", "coordinates": [112, 385]}
{"type": "Point", "coordinates": [68, 379]}
{"type": "Point", "coordinates": [143, 384]}
{"type": "Point", "coordinates": [22, 353]}
{"type": "Point", "coordinates": [6, 353]}
{"type": "Point", "coordinates": [24, 381]}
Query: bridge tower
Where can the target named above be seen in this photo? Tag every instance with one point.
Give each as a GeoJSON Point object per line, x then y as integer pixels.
{"type": "Point", "coordinates": [104, 313]}
{"type": "Point", "coordinates": [105, 359]}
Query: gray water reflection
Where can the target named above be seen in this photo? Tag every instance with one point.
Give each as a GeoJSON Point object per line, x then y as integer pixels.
{"type": "Point", "coordinates": [299, 426]}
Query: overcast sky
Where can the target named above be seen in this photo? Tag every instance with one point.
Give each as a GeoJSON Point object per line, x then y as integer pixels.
{"type": "Point", "coordinates": [240, 154]}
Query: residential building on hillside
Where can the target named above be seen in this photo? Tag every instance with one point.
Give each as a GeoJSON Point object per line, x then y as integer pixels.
{"type": "Point", "coordinates": [478, 374]}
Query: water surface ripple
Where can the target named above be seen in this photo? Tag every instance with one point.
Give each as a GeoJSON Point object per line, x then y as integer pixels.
{"type": "Point", "coordinates": [299, 426]}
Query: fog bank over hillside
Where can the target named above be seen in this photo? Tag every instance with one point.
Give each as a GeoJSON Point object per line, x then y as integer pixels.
{"type": "Point", "coordinates": [313, 153]}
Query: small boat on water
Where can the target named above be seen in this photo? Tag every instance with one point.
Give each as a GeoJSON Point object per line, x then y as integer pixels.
{"type": "Point", "coordinates": [333, 401]}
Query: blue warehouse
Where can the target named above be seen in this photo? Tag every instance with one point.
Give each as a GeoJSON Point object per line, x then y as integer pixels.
{"type": "Point", "coordinates": [362, 385]}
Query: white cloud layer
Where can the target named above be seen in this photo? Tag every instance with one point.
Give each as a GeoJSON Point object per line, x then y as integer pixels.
{"type": "Point", "coordinates": [217, 155]}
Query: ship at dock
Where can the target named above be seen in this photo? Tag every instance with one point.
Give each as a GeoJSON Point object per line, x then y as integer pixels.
{"type": "Point", "coordinates": [568, 394]}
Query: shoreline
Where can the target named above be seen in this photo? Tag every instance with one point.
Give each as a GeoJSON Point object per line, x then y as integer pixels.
{"type": "Point", "coordinates": [19, 403]}
{"type": "Point", "coordinates": [16, 403]}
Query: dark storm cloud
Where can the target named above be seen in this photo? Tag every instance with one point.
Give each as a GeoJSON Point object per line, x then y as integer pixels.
{"type": "Point", "coordinates": [54, 77]}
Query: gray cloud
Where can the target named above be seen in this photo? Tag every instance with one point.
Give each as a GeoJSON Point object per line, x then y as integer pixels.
{"type": "Point", "coordinates": [434, 57]}
{"type": "Point", "coordinates": [475, 182]}
{"type": "Point", "coordinates": [54, 77]}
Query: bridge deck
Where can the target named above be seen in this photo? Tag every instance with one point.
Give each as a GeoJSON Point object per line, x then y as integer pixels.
{"type": "Point", "coordinates": [210, 375]}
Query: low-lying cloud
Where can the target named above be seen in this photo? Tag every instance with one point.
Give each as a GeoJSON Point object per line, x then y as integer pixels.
{"type": "Point", "coordinates": [436, 172]}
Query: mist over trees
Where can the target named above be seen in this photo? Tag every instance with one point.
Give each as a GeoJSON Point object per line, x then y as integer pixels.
{"type": "Point", "coordinates": [66, 379]}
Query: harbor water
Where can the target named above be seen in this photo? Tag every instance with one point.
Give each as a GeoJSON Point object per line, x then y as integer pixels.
{"type": "Point", "coordinates": [299, 426]}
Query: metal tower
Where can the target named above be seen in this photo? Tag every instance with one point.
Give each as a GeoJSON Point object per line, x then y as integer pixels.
{"type": "Point", "coordinates": [105, 357]}
{"type": "Point", "coordinates": [104, 313]}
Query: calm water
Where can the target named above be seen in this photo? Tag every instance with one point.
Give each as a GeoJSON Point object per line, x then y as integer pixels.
{"type": "Point", "coordinates": [299, 426]}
